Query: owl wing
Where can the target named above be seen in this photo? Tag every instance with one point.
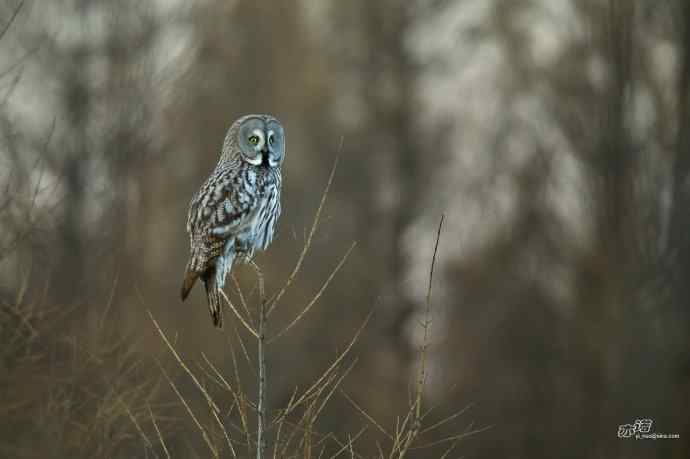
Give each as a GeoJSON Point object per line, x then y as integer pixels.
{"type": "Point", "coordinates": [216, 213]}
{"type": "Point", "coordinates": [218, 209]}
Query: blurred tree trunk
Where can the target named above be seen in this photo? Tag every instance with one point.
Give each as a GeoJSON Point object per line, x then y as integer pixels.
{"type": "Point", "coordinates": [680, 217]}
{"type": "Point", "coordinates": [391, 101]}
{"type": "Point", "coordinates": [616, 149]}
{"type": "Point", "coordinates": [679, 238]}
{"type": "Point", "coordinates": [69, 267]}
{"type": "Point", "coordinates": [102, 123]}
{"type": "Point", "coordinates": [616, 229]}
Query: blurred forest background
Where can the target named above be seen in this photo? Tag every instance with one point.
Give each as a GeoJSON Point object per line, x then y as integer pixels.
{"type": "Point", "coordinates": [553, 134]}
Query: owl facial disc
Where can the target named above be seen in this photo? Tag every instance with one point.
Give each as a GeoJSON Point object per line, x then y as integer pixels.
{"type": "Point", "coordinates": [258, 148]}
{"type": "Point", "coordinates": [260, 140]}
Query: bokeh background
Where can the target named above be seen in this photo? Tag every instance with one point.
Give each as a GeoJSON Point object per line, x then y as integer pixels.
{"type": "Point", "coordinates": [553, 135]}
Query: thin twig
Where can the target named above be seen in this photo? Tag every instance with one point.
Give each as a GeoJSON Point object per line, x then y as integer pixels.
{"type": "Point", "coordinates": [219, 375]}
{"type": "Point", "coordinates": [307, 435]}
{"type": "Point", "coordinates": [158, 431]}
{"type": "Point", "coordinates": [261, 410]}
{"type": "Point", "coordinates": [336, 385]}
{"type": "Point", "coordinates": [316, 297]}
{"type": "Point", "coordinates": [452, 438]}
{"type": "Point", "coordinates": [212, 405]}
{"type": "Point", "coordinates": [366, 415]}
{"type": "Point", "coordinates": [12, 18]}
{"type": "Point", "coordinates": [427, 326]}
{"type": "Point", "coordinates": [109, 304]}
{"type": "Point", "coordinates": [241, 408]}
{"type": "Point", "coordinates": [348, 445]}
{"type": "Point", "coordinates": [203, 390]}
{"type": "Point", "coordinates": [413, 432]}
{"type": "Point", "coordinates": [337, 361]}
{"type": "Point", "coordinates": [239, 316]}
{"type": "Point", "coordinates": [260, 278]}
{"type": "Point", "coordinates": [136, 424]}
{"type": "Point", "coordinates": [439, 403]}
{"type": "Point", "coordinates": [243, 301]}
{"type": "Point", "coordinates": [404, 436]}
{"type": "Point", "coordinates": [307, 245]}
{"type": "Point", "coordinates": [308, 417]}
{"type": "Point", "coordinates": [445, 420]}
{"type": "Point", "coordinates": [324, 438]}
{"type": "Point", "coordinates": [225, 434]}
{"type": "Point", "coordinates": [204, 434]}
{"type": "Point", "coordinates": [380, 450]}
{"type": "Point", "coordinates": [450, 448]}
{"type": "Point", "coordinates": [243, 347]}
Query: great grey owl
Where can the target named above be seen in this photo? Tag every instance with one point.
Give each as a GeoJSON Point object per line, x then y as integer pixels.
{"type": "Point", "coordinates": [236, 210]}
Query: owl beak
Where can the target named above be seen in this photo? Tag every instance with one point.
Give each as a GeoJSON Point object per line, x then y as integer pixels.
{"type": "Point", "coordinates": [264, 157]}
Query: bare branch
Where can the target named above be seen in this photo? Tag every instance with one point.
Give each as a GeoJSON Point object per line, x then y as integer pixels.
{"type": "Point", "coordinates": [158, 431]}
{"type": "Point", "coordinates": [404, 435]}
{"type": "Point", "coordinates": [203, 390]}
{"type": "Point", "coordinates": [204, 434]}
{"type": "Point", "coordinates": [452, 438]}
{"type": "Point", "coordinates": [446, 420]}
{"type": "Point", "coordinates": [348, 445]}
{"type": "Point", "coordinates": [239, 316]}
{"type": "Point", "coordinates": [16, 11]}
{"type": "Point", "coordinates": [316, 297]}
{"type": "Point", "coordinates": [427, 326]}
{"type": "Point", "coordinates": [243, 301]}
{"type": "Point", "coordinates": [136, 424]}
{"type": "Point", "coordinates": [366, 415]}
{"type": "Point", "coordinates": [334, 365]}
{"type": "Point", "coordinates": [307, 245]}
{"type": "Point", "coordinates": [261, 410]}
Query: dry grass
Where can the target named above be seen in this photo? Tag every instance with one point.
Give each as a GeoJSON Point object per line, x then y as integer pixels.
{"type": "Point", "coordinates": [72, 391]}
{"type": "Point", "coordinates": [68, 392]}
{"type": "Point", "coordinates": [293, 430]}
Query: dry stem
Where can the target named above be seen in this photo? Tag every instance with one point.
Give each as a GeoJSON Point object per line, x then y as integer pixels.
{"type": "Point", "coordinates": [261, 411]}
{"type": "Point", "coordinates": [312, 231]}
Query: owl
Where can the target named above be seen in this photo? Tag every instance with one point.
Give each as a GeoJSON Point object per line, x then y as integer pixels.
{"type": "Point", "coordinates": [236, 210]}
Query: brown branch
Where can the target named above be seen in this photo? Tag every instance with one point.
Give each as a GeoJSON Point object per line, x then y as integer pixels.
{"type": "Point", "coordinates": [12, 18]}
{"type": "Point", "coordinates": [315, 298]}
{"type": "Point", "coordinates": [404, 437]}
{"type": "Point", "coordinates": [209, 400]}
{"type": "Point", "coordinates": [261, 409]}
{"type": "Point", "coordinates": [158, 431]}
{"type": "Point", "coordinates": [238, 315]}
{"type": "Point", "coordinates": [204, 434]}
{"type": "Point", "coordinates": [307, 245]}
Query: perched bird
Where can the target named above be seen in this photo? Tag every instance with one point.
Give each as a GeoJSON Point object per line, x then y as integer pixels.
{"type": "Point", "coordinates": [236, 210]}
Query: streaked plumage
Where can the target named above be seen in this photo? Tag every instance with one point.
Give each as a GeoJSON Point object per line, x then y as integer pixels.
{"type": "Point", "coordinates": [236, 210]}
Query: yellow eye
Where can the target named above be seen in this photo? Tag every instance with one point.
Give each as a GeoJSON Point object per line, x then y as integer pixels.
{"type": "Point", "coordinates": [271, 140]}
{"type": "Point", "coordinates": [254, 140]}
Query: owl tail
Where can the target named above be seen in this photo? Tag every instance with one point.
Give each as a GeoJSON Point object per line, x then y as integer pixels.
{"type": "Point", "coordinates": [188, 282]}
{"type": "Point", "coordinates": [214, 299]}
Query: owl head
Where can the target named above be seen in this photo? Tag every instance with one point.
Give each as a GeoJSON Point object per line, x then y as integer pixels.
{"type": "Point", "coordinates": [258, 140]}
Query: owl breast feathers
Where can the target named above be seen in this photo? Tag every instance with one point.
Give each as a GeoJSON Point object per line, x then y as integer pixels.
{"type": "Point", "coordinates": [236, 210]}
